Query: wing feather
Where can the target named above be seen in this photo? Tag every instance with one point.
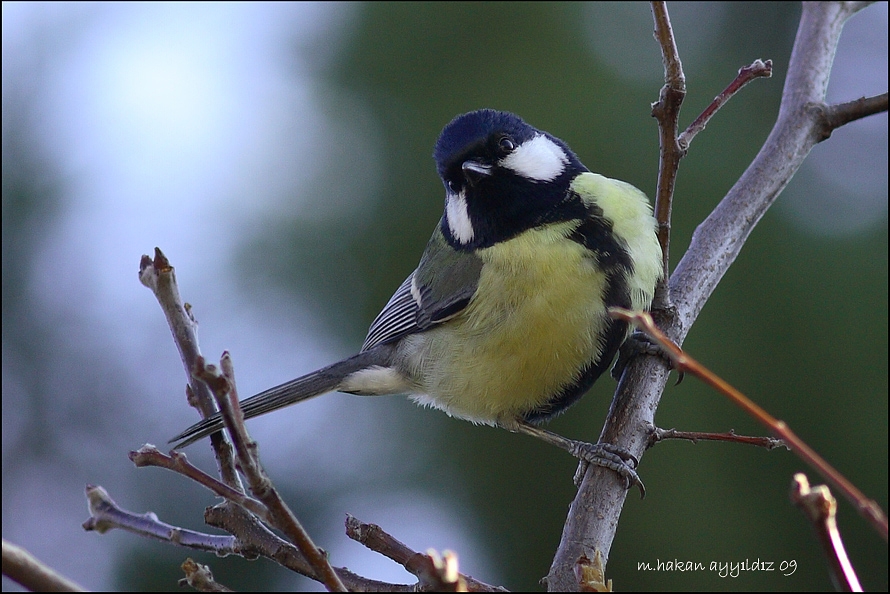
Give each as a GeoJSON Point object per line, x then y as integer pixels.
{"type": "Point", "coordinates": [440, 288]}
{"type": "Point", "coordinates": [396, 319]}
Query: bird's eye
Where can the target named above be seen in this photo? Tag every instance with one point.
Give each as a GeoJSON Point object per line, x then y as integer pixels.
{"type": "Point", "coordinates": [451, 186]}
{"type": "Point", "coordinates": [506, 144]}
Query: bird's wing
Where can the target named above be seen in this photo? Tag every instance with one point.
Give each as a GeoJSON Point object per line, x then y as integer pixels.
{"type": "Point", "coordinates": [440, 287]}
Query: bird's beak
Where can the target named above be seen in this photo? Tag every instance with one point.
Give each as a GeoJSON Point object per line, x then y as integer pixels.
{"type": "Point", "coordinates": [475, 171]}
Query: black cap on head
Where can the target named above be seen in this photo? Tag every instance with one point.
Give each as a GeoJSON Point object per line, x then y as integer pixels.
{"type": "Point", "coordinates": [474, 128]}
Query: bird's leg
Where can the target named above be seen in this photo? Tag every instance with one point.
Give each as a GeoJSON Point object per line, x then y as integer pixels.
{"type": "Point", "coordinates": [600, 454]}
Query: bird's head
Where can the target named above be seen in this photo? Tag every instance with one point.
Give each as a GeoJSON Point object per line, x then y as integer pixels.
{"type": "Point", "coordinates": [501, 176]}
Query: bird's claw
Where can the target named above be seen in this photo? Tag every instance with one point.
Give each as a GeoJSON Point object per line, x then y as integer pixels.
{"type": "Point", "coordinates": [619, 460]}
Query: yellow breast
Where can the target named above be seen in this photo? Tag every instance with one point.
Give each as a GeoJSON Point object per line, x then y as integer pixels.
{"type": "Point", "coordinates": [529, 330]}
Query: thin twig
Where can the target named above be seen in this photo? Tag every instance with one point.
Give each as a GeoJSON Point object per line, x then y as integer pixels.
{"type": "Point", "coordinates": [207, 384]}
{"type": "Point", "coordinates": [681, 360]}
{"type": "Point", "coordinates": [757, 69]}
{"type": "Point", "coordinates": [24, 568]}
{"type": "Point", "coordinates": [418, 564]}
{"type": "Point", "coordinates": [667, 112]}
{"type": "Point", "coordinates": [222, 385]}
{"type": "Point", "coordinates": [159, 275]}
{"type": "Point", "coordinates": [105, 515]}
{"type": "Point", "coordinates": [835, 116]}
{"type": "Point", "coordinates": [769, 443]}
{"type": "Point", "coordinates": [265, 543]}
{"type": "Point", "coordinates": [149, 455]}
{"type": "Point", "coordinates": [820, 508]}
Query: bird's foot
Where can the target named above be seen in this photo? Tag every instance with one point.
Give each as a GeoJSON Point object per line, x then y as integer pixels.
{"type": "Point", "coordinates": [608, 456]}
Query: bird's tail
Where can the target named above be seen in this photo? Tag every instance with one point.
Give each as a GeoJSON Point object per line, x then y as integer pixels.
{"type": "Point", "coordinates": [324, 380]}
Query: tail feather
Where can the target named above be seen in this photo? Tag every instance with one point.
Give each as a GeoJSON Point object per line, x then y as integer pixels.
{"type": "Point", "coordinates": [322, 381]}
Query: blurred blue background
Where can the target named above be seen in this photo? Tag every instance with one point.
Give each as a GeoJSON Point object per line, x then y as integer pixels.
{"type": "Point", "coordinates": [280, 155]}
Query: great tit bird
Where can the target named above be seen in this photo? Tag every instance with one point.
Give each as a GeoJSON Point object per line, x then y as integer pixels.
{"type": "Point", "coordinates": [504, 322]}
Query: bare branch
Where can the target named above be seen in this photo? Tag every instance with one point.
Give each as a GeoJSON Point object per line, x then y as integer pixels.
{"type": "Point", "coordinates": [222, 384]}
{"type": "Point", "coordinates": [682, 361]}
{"type": "Point", "coordinates": [595, 512]}
{"type": "Point", "coordinates": [149, 455]}
{"type": "Point", "coordinates": [207, 383]}
{"type": "Point", "coordinates": [719, 238]}
{"type": "Point", "coordinates": [820, 508]}
{"type": "Point", "coordinates": [835, 116]}
{"type": "Point", "coordinates": [667, 111]}
{"type": "Point", "coordinates": [757, 69]}
{"type": "Point", "coordinates": [418, 564]}
{"type": "Point", "coordinates": [105, 515]}
{"type": "Point", "coordinates": [769, 443]}
{"type": "Point", "coordinates": [159, 276]}
{"type": "Point", "coordinates": [23, 567]}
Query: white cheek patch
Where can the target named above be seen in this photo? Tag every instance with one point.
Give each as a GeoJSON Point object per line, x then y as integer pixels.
{"type": "Point", "coordinates": [458, 218]}
{"type": "Point", "coordinates": [539, 159]}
